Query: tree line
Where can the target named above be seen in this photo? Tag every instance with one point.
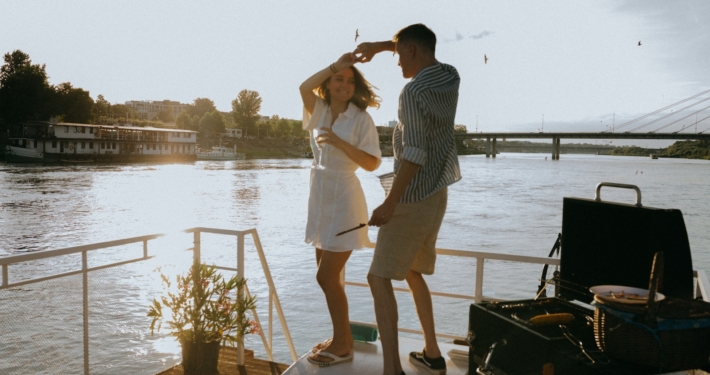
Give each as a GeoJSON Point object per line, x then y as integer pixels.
{"type": "Point", "coordinates": [27, 95]}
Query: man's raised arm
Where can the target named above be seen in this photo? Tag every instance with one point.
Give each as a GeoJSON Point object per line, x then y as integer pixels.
{"type": "Point", "coordinates": [366, 51]}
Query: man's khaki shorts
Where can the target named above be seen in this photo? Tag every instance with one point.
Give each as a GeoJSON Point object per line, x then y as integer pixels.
{"type": "Point", "coordinates": [408, 240]}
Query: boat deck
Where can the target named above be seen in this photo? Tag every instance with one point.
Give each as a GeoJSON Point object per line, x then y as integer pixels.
{"type": "Point", "coordinates": [368, 360]}
{"type": "Point", "coordinates": [228, 365]}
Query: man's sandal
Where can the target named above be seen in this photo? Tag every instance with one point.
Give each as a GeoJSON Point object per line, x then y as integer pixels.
{"type": "Point", "coordinates": [335, 359]}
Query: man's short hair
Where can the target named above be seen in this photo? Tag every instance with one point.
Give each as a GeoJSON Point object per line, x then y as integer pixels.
{"type": "Point", "coordinates": [418, 34]}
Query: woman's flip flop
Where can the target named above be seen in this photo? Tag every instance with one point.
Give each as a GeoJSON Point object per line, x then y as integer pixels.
{"type": "Point", "coordinates": [335, 359]}
{"type": "Point", "coordinates": [321, 345]}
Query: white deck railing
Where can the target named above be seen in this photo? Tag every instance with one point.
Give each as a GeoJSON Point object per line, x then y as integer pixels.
{"type": "Point", "coordinates": [702, 286]}
{"type": "Point", "coordinates": [6, 262]}
{"type": "Point", "coordinates": [273, 296]}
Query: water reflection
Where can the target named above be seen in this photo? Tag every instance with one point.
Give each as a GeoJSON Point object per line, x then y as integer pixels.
{"type": "Point", "coordinates": [510, 205]}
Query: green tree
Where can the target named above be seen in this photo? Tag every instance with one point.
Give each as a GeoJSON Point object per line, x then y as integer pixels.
{"type": "Point", "coordinates": [245, 111]}
{"type": "Point", "coordinates": [212, 124]}
{"type": "Point", "coordinates": [101, 109]}
{"type": "Point", "coordinates": [165, 116]}
{"type": "Point", "coordinates": [73, 104]}
{"type": "Point", "coordinates": [284, 128]}
{"type": "Point", "coordinates": [25, 92]}
{"type": "Point", "coordinates": [460, 129]}
{"type": "Point", "coordinates": [183, 121]}
{"type": "Point", "coordinates": [297, 129]}
{"type": "Point", "coordinates": [121, 112]}
{"type": "Point", "coordinates": [14, 62]}
{"type": "Point", "coordinates": [200, 106]}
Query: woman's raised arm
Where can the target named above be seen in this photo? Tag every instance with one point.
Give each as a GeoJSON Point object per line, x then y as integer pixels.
{"type": "Point", "coordinates": [307, 95]}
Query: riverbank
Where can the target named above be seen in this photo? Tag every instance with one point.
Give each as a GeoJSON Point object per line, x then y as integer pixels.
{"type": "Point", "coordinates": [680, 149]}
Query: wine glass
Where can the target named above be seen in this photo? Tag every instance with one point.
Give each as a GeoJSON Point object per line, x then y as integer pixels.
{"type": "Point", "coordinates": [317, 134]}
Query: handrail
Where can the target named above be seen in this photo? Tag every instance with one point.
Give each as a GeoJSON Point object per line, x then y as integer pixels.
{"type": "Point", "coordinates": [84, 271]}
{"type": "Point", "coordinates": [75, 249]}
{"type": "Point", "coordinates": [5, 262]}
{"type": "Point", "coordinates": [477, 297]}
{"type": "Point", "coordinates": [273, 296]}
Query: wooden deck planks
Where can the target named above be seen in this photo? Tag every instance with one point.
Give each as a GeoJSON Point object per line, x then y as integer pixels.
{"type": "Point", "coordinates": [228, 365]}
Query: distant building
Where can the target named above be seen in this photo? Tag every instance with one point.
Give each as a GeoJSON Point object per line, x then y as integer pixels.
{"type": "Point", "coordinates": [232, 133]}
{"type": "Point", "coordinates": [392, 123]}
{"type": "Point", "coordinates": [149, 109]}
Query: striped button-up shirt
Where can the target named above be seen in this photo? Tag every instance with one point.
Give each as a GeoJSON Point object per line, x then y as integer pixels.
{"type": "Point", "coordinates": [424, 134]}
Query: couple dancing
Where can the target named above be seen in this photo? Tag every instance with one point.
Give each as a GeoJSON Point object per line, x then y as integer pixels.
{"type": "Point", "coordinates": [425, 162]}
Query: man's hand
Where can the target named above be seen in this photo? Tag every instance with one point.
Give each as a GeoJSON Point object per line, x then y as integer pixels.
{"type": "Point", "coordinates": [382, 214]}
{"type": "Point", "coordinates": [366, 51]}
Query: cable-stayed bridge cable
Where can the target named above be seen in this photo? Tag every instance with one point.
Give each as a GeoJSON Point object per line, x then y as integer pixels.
{"type": "Point", "coordinates": [661, 110]}
{"type": "Point", "coordinates": [691, 124]}
{"type": "Point", "coordinates": [668, 115]}
{"type": "Point", "coordinates": [680, 119]}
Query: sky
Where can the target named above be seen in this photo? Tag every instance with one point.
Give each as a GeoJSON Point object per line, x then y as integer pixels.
{"type": "Point", "coordinates": [552, 65]}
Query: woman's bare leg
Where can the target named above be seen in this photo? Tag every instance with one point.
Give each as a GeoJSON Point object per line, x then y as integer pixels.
{"type": "Point", "coordinates": [330, 264]}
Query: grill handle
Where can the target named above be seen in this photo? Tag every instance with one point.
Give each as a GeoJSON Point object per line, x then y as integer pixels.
{"type": "Point", "coordinates": [485, 368]}
{"type": "Point", "coordinates": [598, 198]}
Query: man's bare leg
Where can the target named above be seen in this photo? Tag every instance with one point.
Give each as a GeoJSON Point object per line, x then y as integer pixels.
{"type": "Point", "coordinates": [422, 301]}
{"type": "Point", "coordinates": [387, 319]}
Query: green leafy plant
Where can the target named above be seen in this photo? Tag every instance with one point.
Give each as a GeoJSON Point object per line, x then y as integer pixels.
{"type": "Point", "coordinates": [205, 307]}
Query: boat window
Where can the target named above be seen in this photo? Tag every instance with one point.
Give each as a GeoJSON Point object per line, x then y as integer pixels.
{"type": "Point", "coordinates": [75, 129]}
{"type": "Point", "coordinates": [113, 146]}
{"type": "Point", "coordinates": [54, 144]}
{"type": "Point", "coordinates": [91, 130]}
{"type": "Point", "coordinates": [66, 129]}
{"type": "Point", "coordinates": [35, 143]}
{"type": "Point", "coordinates": [91, 144]}
{"type": "Point", "coordinates": [83, 144]}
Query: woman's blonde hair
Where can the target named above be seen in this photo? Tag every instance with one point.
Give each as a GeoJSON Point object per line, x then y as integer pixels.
{"type": "Point", "coordinates": [363, 97]}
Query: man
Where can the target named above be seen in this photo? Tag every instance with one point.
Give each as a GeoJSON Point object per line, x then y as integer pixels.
{"type": "Point", "coordinates": [425, 163]}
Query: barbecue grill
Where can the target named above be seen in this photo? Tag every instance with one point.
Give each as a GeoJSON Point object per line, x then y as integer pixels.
{"type": "Point", "coordinates": [602, 243]}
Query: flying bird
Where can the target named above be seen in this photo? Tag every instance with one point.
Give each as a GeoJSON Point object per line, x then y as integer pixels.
{"type": "Point", "coordinates": [356, 34]}
{"type": "Point", "coordinates": [485, 59]}
{"type": "Point", "coordinates": [639, 42]}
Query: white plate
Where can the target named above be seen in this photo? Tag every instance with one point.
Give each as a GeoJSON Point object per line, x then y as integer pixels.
{"type": "Point", "coordinates": [623, 294]}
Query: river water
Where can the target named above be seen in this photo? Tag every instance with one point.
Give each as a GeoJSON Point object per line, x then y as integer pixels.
{"type": "Point", "coordinates": [511, 204]}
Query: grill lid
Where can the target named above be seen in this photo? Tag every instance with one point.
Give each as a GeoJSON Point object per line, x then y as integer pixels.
{"type": "Point", "coordinates": [606, 243]}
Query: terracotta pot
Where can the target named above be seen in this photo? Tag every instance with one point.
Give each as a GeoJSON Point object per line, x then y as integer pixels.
{"type": "Point", "coordinates": [200, 358]}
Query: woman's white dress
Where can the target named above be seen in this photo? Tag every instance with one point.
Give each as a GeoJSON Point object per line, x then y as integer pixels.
{"type": "Point", "coordinates": [337, 202]}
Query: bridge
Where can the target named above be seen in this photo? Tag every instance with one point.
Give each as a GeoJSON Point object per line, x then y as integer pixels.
{"type": "Point", "coordinates": [492, 138]}
{"type": "Point", "coordinates": [678, 119]}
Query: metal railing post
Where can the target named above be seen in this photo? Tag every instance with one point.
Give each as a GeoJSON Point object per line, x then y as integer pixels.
{"type": "Point", "coordinates": [277, 302]}
{"type": "Point", "coordinates": [240, 292]}
{"type": "Point", "coordinates": [85, 299]}
{"type": "Point", "coordinates": [196, 245]}
{"type": "Point", "coordinates": [479, 280]}
{"type": "Point", "coordinates": [271, 319]}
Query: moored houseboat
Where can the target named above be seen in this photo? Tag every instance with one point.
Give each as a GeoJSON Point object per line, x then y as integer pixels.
{"type": "Point", "coordinates": [41, 142]}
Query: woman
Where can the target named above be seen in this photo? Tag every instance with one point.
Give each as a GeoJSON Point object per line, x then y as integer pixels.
{"type": "Point", "coordinates": [335, 100]}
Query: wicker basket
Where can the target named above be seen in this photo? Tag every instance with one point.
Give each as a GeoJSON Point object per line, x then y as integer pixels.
{"type": "Point", "coordinates": [680, 340]}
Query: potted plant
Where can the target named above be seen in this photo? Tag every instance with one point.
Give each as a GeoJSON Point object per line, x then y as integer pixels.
{"type": "Point", "coordinates": [206, 313]}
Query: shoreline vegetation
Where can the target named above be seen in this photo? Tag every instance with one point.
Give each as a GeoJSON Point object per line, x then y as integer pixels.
{"type": "Point", "coordinates": [284, 148]}
{"type": "Point", "coordinates": [680, 149]}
